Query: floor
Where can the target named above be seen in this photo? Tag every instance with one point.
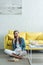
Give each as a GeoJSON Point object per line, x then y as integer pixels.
{"type": "Point", "coordinates": [4, 60]}
{"type": "Point", "coordinates": [37, 59]}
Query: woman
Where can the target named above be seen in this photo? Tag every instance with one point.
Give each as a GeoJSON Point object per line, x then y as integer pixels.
{"type": "Point", "coordinates": [18, 46]}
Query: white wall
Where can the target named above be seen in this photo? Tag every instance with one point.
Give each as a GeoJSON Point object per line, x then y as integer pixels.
{"type": "Point", "coordinates": [36, 15]}
{"type": "Point", "coordinates": [30, 20]}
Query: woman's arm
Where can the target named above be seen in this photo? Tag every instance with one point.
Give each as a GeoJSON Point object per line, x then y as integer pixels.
{"type": "Point", "coordinates": [23, 44]}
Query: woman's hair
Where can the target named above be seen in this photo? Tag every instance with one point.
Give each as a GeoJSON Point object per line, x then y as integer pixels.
{"type": "Point", "coordinates": [15, 31]}
{"type": "Point", "coordinates": [19, 37]}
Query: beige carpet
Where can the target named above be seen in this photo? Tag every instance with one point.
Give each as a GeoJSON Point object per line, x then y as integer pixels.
{"type": "Point", "coordinates": [4, 60]}
{"type": "Point", "coordinates": [37, 59]}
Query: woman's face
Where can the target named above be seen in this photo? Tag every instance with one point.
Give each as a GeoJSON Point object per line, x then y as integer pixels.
{"type": "Point", "coordinates": [16, 34]}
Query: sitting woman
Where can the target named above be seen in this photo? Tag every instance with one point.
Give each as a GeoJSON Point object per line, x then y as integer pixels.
{"type": "Point", "coordinates": [18, 44]}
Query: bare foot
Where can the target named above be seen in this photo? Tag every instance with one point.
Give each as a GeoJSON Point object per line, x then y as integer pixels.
{"type": "Point", "coordinates": [16, 56]}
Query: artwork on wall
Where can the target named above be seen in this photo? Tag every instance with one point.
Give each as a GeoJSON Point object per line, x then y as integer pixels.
{"type": "Point", "coordinates": [10, 7]}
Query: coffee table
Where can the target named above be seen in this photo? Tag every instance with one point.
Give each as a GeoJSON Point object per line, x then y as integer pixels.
{"type": "Point", "coordinates": [33, 47]}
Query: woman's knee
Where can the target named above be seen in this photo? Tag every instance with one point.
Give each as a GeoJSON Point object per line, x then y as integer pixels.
{"type": "Point", "coordinates": [5, 50]}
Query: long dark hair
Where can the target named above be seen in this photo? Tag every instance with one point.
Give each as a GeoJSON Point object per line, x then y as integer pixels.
{"type": "Point", "coordinates": [19, 39]}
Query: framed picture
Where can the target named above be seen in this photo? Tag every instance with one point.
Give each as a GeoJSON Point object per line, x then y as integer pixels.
{"type": "Point", "coordinates": [10, 7]}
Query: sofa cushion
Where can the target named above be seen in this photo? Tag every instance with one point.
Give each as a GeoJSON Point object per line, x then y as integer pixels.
{"type": "Point", "coordinates": [32, 35]}
{"type": "Point", "coordinates": [40, 37]}
{"type": "Point", "coordinates": [23, 35]}
{"type": "Point", "coordinates": [10, 32]}
{"type": "Point", "coordinates": [10, 36]}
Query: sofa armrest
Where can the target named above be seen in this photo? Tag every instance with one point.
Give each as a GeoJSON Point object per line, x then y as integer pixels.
{"type": "Point", "coordinates": [9, 43]}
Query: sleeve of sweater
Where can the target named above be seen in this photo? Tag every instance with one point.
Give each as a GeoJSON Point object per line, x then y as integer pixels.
{"type": "Point", "coordinates": [23, 44]}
